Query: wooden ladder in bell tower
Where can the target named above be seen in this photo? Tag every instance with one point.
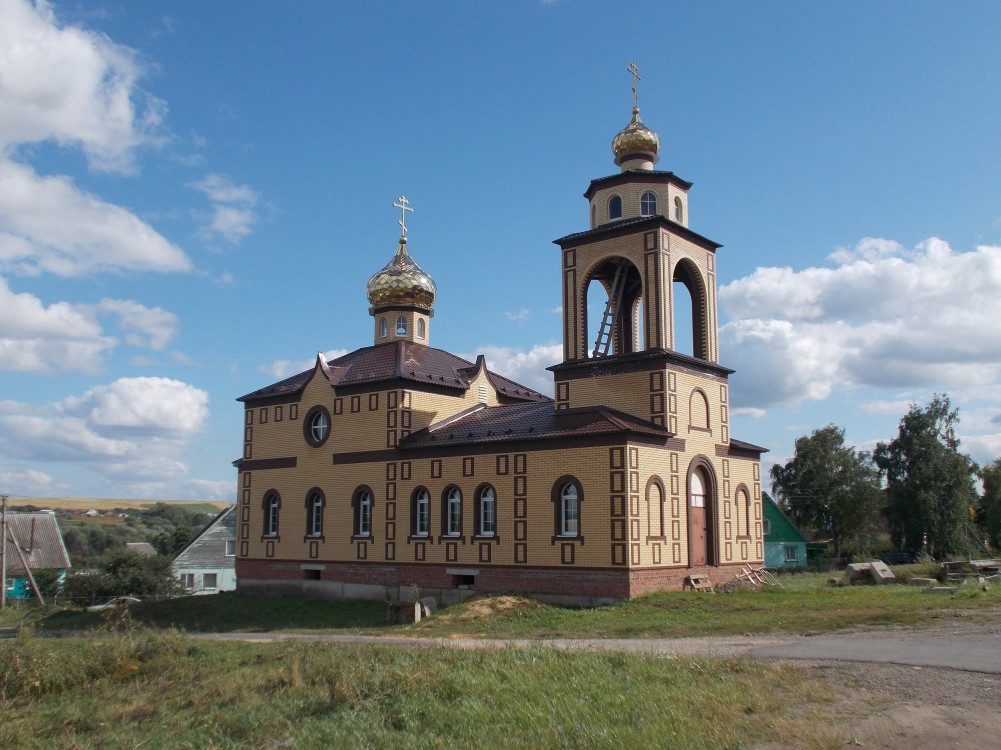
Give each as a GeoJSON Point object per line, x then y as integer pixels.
{"type": "Point", "coordinates": [604, 341]}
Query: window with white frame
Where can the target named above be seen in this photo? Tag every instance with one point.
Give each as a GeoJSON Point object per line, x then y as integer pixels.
{"type": "Point", "coordinates": [679, 211]}
{"type": "Point", "coordinates": [792, 554]}
{"type": "Point", "coordinates": [488, 512]}
{"type": "Point", "coordinates": [569, 510]}
{"type": "Point", "coordinates": [422, 513]}
{"type": "Point", "coordinates": [188, 580]}
{"type": "Point", "coordinates": [383, 328]}
{"type": "Point", "coordinates": [648, 204]}
{"type": "Point", "coordinates": [401, 326]}
{"type": "Point", "coordinates": [230, 547]}
{"type": "Point", "coordinates": [453, 512]}
{"type": "Point", "coordinates": [421, 328]}
{"type": "Point", "coordinates": [363, 514]}
{"type": "Point", "coordinates": [272, 504]}
{"type": "Point", "coordinates": [314, 513]}
{"type": "Point", "coordinates": [210, 581]}
{"type": "Point", "coordinates": [316, 426]}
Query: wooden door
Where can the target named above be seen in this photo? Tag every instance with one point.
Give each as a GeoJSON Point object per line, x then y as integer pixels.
{"type": "Point", "coordinates": [698, 535]}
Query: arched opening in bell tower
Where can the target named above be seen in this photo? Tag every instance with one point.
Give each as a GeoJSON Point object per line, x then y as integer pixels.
{"type": "Point", "coordinates": [689, 313]}
{"type": "Point", "coordinates": [613, 308]}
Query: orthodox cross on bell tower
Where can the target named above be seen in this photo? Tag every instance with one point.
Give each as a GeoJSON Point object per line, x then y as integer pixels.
{"type": "Point", "coordinates": [404, 205]}
{"type": "Point", "coordinates": [635, 71]}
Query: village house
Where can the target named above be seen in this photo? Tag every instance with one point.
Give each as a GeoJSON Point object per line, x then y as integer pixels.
{"type": "Point", "coordinates": [399, 465]}
{"type": "Point", "coordinates": [207, 564]}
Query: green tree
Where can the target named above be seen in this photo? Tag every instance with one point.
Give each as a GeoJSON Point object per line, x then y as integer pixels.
{"type": "Point", "coordinates": [929, 483]}
{"type": "Point", "coordinates": [990, 503]}
{"type": "Point", "coordinates": [130, 573]}
{"type": "Point", "coordinates": [830, 488]}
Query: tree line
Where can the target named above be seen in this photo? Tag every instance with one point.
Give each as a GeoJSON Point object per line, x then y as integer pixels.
{"type": "Point", "coordinates": [918, 488]}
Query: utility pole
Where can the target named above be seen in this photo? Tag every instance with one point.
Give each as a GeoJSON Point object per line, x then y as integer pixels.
{"type": "Point", "coordinates": [3, 551]}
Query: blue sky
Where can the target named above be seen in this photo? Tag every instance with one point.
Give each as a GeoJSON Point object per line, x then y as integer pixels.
{"type": "Point", "coordinates": [193, 196]}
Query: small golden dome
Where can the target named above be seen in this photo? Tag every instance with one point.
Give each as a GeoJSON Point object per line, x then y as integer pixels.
{"type": "Point", "coordinates": [402, 282]}
{"type": "Point", "coordinates": [636, 140]}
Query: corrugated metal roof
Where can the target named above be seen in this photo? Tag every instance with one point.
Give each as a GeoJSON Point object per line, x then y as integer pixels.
{"type": "Point", "coordinates": [399, 360]}
{"type": "Point", "coordinates": [533, 421]}
{"type": "Point", "coordinates": [37, 535]}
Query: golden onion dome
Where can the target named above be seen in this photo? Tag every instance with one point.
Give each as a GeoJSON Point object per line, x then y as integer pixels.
{"type": "Point", "coordinates": [636, 140]}
{"type": "Point", "coordinates": [402, 282]}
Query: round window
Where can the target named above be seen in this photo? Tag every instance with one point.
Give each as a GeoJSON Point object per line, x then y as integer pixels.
{"type": "Point", "coordinates": [316, 426]}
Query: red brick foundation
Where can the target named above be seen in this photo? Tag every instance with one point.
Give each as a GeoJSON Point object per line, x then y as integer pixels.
{"type": "Point", "coordinates": [369, 580]}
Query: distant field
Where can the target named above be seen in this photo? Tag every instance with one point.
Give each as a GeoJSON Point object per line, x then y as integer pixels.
{"type": "Point", "coordinates": [88, 503]}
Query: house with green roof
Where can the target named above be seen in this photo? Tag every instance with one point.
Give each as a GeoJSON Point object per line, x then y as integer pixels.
{"type": "Point", "coordinates": [785, 546]}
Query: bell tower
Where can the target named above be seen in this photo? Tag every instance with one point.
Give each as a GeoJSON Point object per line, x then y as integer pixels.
{"type": "Point", "coordinates": [637, 252]}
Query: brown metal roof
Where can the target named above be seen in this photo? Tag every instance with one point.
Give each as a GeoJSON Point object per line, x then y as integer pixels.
{"type": "Point", "coordinates": [37, 535]}
{"type": "Point", "coordinates": [632, 224]}
{"type": "Point", "coordinates": [400, 360]}
{"type": "Point", "coordinates": [532, 421]}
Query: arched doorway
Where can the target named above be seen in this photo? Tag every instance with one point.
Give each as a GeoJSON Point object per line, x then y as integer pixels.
{"type": "Point", "coordinates": [689, 315]}
{"type": "Point", "coordinates": [701, 514]}
{"type": "Point", "coordinates": [613, 304]}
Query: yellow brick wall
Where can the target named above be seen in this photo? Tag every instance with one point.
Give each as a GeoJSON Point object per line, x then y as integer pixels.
{"type": "Point", "coordinates": [631, 195]}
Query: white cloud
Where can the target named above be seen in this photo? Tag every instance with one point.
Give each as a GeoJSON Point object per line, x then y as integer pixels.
{"type": "Point", "coordinates": [76, 88]}
{"type": "Point", "coordinates": [25, 482]}
{"type": "Point", "coordinates": [48, 225]}
{"type": "Point", "coordinates": [43, 339]}
{"type": "Point", "coordinates": [150, 327]}
{"type": "Point", "coordinates": [233, 216]}
{"type": "Point", "coordinates": [71, 86]}
{"type": "Point", "coordinates": [280, 369]}
{"type": "Point", "coordinates": [518, 317]}
{"type": "Point", "coordinates": [527, 368]}
{"type": "Point", "coordinates": [130, 427]}
{"type": "Point", "coordinates": [885, 316]}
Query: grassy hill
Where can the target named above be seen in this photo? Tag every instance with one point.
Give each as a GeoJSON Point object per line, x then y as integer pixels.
{"type": "Point", "coordinates": [107, 504]}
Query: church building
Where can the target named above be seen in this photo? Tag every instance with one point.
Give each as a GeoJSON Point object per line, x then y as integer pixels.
{"type": "Point", "coordinates": [400, 465]}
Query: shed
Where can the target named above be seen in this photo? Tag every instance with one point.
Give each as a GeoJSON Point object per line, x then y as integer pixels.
{"type": "Point", "coordinates": [207, 564]}
{"type": "Point", "coordinates": [785, 546]}
{"type": "Point", "coordinates": [37, 537]}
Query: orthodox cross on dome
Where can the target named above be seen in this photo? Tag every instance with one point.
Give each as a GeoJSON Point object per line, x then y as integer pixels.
{"type": "Point", "coordinates": [634, 69]}
{"type": "Point", "coordinates": [404, 205]}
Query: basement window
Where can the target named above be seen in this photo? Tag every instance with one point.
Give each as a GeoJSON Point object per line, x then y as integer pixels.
{"type": "Point", "coordinates": [464, 582]}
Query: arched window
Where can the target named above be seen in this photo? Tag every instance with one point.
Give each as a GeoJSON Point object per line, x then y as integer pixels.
{"type": "Point", "coordinates": [272, 505]}
{"type": "Point", "coordinates": [679, 213]}
{"type": "Point", "coordinates": [421, 328]}
{"type": "Point", "coordinates": [453, 512]}
{"type": "Point", "coordinates": [401, 326]}
{"type": "Point", "coordinates": [314, 513]}
{"type": "Point", "coordinates": [614, 208]}
{"type": "Point", "coordinates": [487, 512]}
{"type": "Point", "coordinates": [363, 513]}
{"type": "Point", "coordinates": [316, 426]}
{"type": "Point", "coordinates": [697, 491]}
{"type": "Point", "coordinates": [648, 205]}
{"type": "Point", "coordinates": [383, 328]}
{"type": "Point", "coordinates": [594, 215]}
{"type": "Point", "coordinates": [655, 509]}
{"type": "Point", "coordinates": [569, 510]}
{"type": "Point", "coordinates": [422, 513]}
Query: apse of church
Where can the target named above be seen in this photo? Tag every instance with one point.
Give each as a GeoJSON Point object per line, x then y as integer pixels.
{"type": "Point", "coordinates": [399, 464]}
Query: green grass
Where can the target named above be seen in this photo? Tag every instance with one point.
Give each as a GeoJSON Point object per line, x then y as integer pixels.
{"type": "Point", "coordinates": [805, 603]}
{"type": "Point", "coordinates": [167, 691]}
{"type": "Point", "coordinates": [228, 613]}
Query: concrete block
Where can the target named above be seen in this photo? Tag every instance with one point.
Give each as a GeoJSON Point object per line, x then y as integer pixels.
{"type": "Point", "coordinates": [922, 581]}
{"type": "Point", "coordinates": [430, 605]}
{"type": "Point", "coordinates": [403, 613]}
{"type": "Point", "coordinates": [880, 572]}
